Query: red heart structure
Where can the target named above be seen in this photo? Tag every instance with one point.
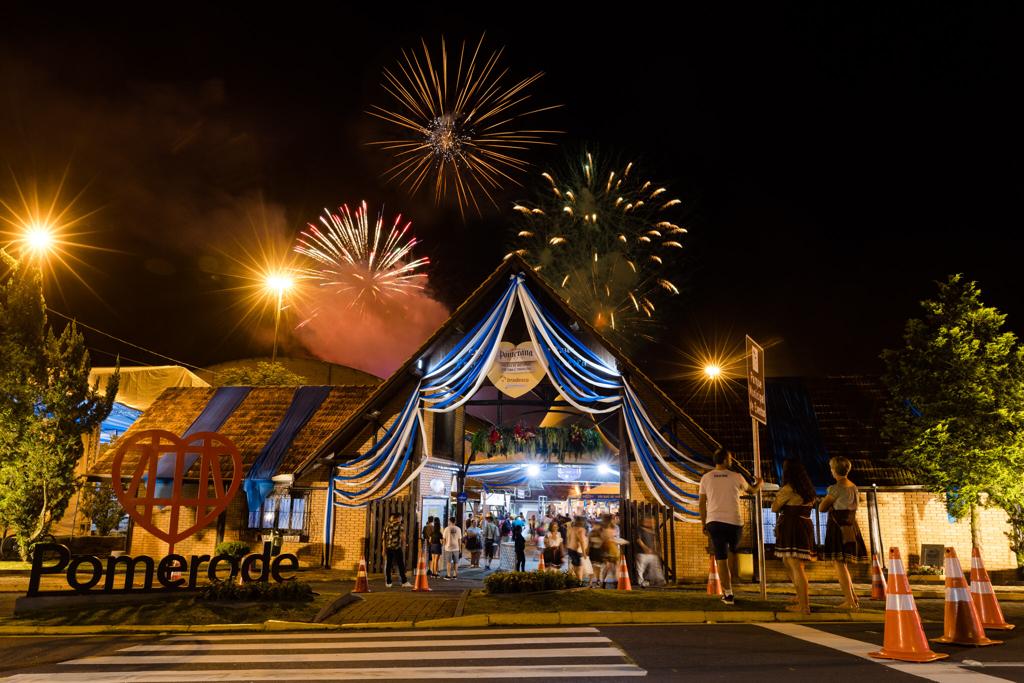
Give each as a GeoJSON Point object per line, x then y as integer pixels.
{"type": "Point", "coordinates": [138, 491]}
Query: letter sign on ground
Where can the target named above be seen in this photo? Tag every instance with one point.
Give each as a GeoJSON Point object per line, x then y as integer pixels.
{"type": "Point", "coordinates": [755, 381]}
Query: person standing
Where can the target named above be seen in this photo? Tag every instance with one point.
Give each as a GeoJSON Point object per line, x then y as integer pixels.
{"type": "Point", "coordinates": [491, 539]}
{"type": "Point", "coordinates": [452, 542]}
{"type": "Point", "coordinates": [794, 532]}
{"type": "Point", "coordinates": [428, 533]}
{"type": "Point", "coordinates": [720, 491]}
{"type": "Point", "coordinates": [648, 563]}
{"type": "Point", "coordinates": [843, 542]}
{"type": "Point", "coordinates": [576, 546]}
{"type": "Point", "coordinates": [435, 547]}
{"type": "Point", "coordinates": [520, 542]}
{"type": "Point", "coordinates": [394, 549]}
{"type": "Point", "coordinates": [474, 542]}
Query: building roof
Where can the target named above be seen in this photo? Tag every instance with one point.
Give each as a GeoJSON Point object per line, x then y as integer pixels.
{"type": "Point", "coordinates": [250, 425]}
{"type": "Point", "coordinates": [467, 314]}
{"type": "Point", "coordinates": [810, 418]}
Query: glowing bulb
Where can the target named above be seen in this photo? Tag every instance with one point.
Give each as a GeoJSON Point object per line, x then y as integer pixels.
{"type": "Point", "coordinates": [713, 371]}
{"type": "Point", "coordinates": [604, 468]}
{"type": "Point", "coordinates": [533, 470]}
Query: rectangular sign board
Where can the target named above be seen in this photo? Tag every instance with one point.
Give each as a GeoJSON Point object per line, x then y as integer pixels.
{"type": "Point", "coordinates": [755, 381]}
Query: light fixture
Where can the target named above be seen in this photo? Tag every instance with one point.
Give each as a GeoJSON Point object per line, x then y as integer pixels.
{"type": "Point", "coordinates": [713, 370]}
{"type": "Point", "coordinates": [604, 468]}
{"type": "Point", "coordinates": [533, 471]}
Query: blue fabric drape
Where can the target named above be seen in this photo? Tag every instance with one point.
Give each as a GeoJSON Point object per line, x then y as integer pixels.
{"type": "Point", "coordinates": [257, 484]}
{"type": "Point", "coordinates": [224, 402]}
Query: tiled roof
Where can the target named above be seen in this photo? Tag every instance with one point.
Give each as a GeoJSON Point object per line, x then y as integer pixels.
{"type": "Point", "coordinates": [251, 425]}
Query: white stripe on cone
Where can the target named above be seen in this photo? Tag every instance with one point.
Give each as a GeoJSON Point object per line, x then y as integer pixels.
{"type": "Point", "coordinates": [981, 587]}
{"type": "Point", "coordinates": [897, 602]}
{"type": "Point", "coordinates": [896, 566]}
{"type": "Point", "coordinates": [957, 594]}
{"type": "Point", "coordinates": [953, 569]}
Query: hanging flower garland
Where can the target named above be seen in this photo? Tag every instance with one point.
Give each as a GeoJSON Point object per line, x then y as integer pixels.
{"type": "Point", "coordinates": [546, 442]}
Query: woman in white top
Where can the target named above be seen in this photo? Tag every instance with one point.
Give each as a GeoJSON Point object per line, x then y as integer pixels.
{"type": "Point", "coordinates": [843, 542]}
{"type": "Point", "coordinates": [553, 547]}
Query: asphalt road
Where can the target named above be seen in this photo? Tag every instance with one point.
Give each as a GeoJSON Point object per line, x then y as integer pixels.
{"type": "Point", "coordinates": [727, 652]}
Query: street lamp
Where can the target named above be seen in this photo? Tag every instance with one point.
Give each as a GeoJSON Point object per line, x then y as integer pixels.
{"type": "Point", "coordinates": [277, 284]}
{"type": "Point", "coordinates": [39, 238]}
{"type": "Point", "coordinates": [712, 371]}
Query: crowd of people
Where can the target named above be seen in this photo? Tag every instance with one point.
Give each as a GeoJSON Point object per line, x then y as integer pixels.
{"type": "Point", "coordinates": [590, 546]}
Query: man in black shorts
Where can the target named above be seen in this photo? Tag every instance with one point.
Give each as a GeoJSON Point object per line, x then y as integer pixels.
{"type": "Point", "coordinates": [720, 491]}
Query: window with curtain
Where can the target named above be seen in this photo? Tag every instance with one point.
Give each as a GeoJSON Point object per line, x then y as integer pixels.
{"type": "Point", "coordinates": [770, 520]}
{"type": "Point", "coordinates": [284, 512]}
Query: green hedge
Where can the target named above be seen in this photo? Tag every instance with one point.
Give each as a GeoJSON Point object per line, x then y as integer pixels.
{"type": "Point", "coordinates": [530, 582]}
{"type": "Point", "coordinates": [292, 590]}
{"type": "Point", "coordinates": [235, 549]}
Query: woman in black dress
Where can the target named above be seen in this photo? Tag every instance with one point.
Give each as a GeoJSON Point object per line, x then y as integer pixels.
{"type": "Point", "coordinates": [794, 533]}
{"type": "Point", "coordinates": [843, 542]}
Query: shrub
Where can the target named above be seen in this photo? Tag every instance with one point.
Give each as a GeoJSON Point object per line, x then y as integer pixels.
{"type": "Point", "coordinates": [925, 570]}
{"type": "Point", "coordinates": [529, 582]}
{"type": "Point", "coordinates": [235, 549]}
{"type": "Point", "coordinates": [292, 589]}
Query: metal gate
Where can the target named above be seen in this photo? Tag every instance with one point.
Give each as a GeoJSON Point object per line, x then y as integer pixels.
{"type": "Point", "coordinates": [377, 514]}
{"type": "Point", "coordinates": [631, 514]}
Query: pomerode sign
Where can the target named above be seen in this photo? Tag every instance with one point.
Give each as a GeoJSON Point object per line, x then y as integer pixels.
{"type": "Point", "coordinates": [154, 489]}
{"type": "Point", "coordinates": [84, 573]}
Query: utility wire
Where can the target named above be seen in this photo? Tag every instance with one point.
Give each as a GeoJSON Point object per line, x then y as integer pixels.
{"type": "Point", "coordinates": [124, 341]}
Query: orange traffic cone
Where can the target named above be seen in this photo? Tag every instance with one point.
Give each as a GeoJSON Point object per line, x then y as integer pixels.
{"type": "Point", "coordinates": [714, 582]}
{"type": "Point", "coordinates": [540, 564]}
{"type": "Point", "coordinates": [904, 638]}
{"type": "Point", "coordinates": [984, 597]}
{"type": "Point", "coordinates": [362, 585]}
{"type": "Point", "coordinates": [623, 575]}
{"type": "Point", "coordinates": [877, 579]}
{"type": "Point", "coordinates": [420, 583]}
{"type": "Point", "coordinates": [963, 625]}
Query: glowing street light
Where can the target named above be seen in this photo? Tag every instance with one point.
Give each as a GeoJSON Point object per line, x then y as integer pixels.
{"type": "Point", "coordinates": [712, 371]}
{"type": "Point", "coordinates": [533, 471]}
{"type": "Point", "coordinates": [39, 239]}
{"type": "Point", "coordinates": [276, 284]}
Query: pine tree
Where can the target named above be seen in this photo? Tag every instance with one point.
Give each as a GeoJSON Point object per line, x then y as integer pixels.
{"type": "Point", "coordinates": [957, 412]}
{"type": "Point", "coordinates": [48, 406]}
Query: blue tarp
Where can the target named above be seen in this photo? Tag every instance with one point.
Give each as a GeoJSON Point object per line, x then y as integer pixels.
{"type": "Point", "coordinates": [257, 484]}
{"type": "Point", "coordinates": [224, 402]}
{"type": "Point", "coordinates": [117, 423]}
{"type": "Point", "coordinates": [793, 431]}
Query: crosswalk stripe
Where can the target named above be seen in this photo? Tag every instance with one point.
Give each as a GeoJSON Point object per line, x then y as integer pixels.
{"type": "Point", "coordinates": [536, 653]}
{"type": "Point", "coordinates": [364, 644]}
{"type": "Point", "coordinates": [364, 673]}
{"type": "Point", "coordinates": [421, 633]}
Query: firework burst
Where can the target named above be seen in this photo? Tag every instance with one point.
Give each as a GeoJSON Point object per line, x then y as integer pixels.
{"type": "Point", "coordinates": [606, 240]}
{"type": "Point", "coordinates": [457, 123]}
{"type": "Point", "coordinates": [367, 265]}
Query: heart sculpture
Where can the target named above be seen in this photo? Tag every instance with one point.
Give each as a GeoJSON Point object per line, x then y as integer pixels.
{"type": "Point", "coordinates": [516, 369]}
{"type": "Point", "coordinates": [138, 489]}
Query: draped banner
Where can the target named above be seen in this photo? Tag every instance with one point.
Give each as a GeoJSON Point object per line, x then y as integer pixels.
{"type": "Point", "coordinates": [584, 379]}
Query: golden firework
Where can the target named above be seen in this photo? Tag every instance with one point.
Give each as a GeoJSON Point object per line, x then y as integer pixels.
{"type": "Point", "coordinates": [457, 123]}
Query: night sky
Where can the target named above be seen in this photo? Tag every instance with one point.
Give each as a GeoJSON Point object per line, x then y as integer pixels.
{"type": "Point", "coordinates": [834, 161]}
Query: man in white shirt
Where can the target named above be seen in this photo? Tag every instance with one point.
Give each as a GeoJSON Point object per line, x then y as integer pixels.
{"type": "Point", "coordinates": [720, 491]}
{"type": "Point", "coordinates": [452, 546]}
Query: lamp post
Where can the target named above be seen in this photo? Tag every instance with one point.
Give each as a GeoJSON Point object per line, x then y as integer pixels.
{"type": "Point", "coordinates": [277, 284]}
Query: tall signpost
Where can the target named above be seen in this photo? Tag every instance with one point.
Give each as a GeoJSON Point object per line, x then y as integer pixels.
{"type": "Point", "coordinates": [758, 413]}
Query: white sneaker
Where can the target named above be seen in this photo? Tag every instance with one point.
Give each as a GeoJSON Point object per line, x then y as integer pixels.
{"type": "Point", "coordinates": [406, 585]}
{"type": "Point", "coordinates": [388, 585]}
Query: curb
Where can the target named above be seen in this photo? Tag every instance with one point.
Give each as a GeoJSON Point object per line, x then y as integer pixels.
{"type": "Point", "coordinates": [469, 621]}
